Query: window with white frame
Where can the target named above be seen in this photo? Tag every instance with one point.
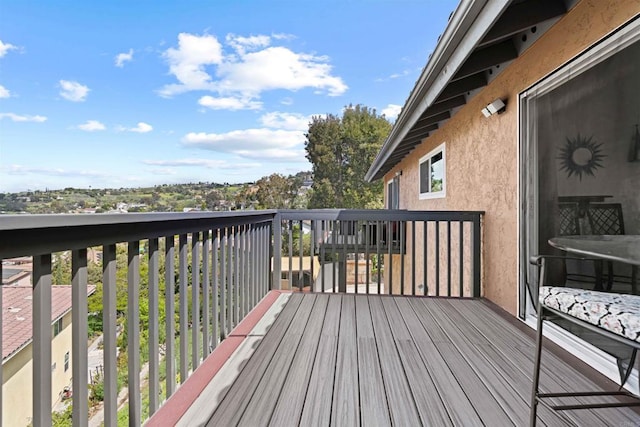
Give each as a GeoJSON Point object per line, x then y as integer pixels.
{"type": "Point", "coordinates": [432, 174]}
{"type": "Point", "coordinates": [393, 193]}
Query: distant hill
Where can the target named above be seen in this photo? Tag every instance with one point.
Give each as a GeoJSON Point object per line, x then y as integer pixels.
{"type": "Point", "coordinates": [160, 198]}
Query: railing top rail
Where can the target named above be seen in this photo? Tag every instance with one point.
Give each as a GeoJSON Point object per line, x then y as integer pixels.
{"type": "Point", "coordinates": [378, 214]}
{"type": "Point", "coordinates": [22, 235]}
{"type": "Point", "coordinates": [16, 222]}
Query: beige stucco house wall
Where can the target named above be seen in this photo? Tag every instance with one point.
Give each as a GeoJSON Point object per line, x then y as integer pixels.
{"type": "Point", "coordinates": [17, 387]}
{"type": "Point", "coordinates": [482, 153]}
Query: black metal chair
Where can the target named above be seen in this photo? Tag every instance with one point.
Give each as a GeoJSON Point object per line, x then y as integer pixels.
{"type": "Point", "coordinates": [561, 302]}
{"type": "Point", "coordinates": [606, 218]}
{"type": "Point", "coordinates": [569, 220]}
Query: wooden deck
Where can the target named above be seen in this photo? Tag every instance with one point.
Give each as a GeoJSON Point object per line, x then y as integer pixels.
{"type": "Point", "coordinates": [349, 360]}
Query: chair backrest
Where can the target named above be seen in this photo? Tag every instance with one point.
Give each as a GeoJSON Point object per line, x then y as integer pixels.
{"type": "Point", "coordinates": [605, 218]}
{"type": "Point", "coordinates": [569, 225]}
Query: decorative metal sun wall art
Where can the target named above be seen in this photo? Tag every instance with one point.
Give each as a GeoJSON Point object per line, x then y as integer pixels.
{"type": "Point", "coordinates": [581, 155]}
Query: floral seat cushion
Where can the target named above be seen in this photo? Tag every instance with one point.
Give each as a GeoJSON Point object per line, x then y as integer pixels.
{"type": "Point", "coordinates": [616, 313]}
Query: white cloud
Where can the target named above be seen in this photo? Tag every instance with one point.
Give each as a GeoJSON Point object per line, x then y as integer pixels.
{"type": "Point", "coordinates": [141, 127]}
{"type": "Point", "coordinates": [4, 92]}
{"type": "Point", "coordinates": [121, 58]}
{"type": "Point", "coordinates": [242, 44]}
{"type": "Point", "coordinates": [92, 126]}
{"type": "Point", "coordinates": [73, 91]}
{"type": "Point", "coordinates": [25, 170]}
{"type": "Point", "coordinates": [206, 163]}
{"type": "Point", "coordinates": [287, 121]}
{"type": "Point", "coordinates": [392, 111]}
{"type": "Point", "coordinates": [254, 67]}
{"type": "Point", "coordinates": [18, 118]}
{"type": "Point", "coordinates": [229, 103]}
{"type": "Point", "coordinates": [187, 63]}
{"type": "Point", "coordinates": [273, 144]}
{"type": "Point", "coordinates": [287, 101]}
{"type": "Point", "coordinates": [6, 47]}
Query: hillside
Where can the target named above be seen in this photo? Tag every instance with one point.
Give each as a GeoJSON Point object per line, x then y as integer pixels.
{"type": "Point", "coordinates": [160, 198]}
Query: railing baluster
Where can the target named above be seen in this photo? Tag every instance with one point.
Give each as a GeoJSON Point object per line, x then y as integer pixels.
{"type": "Point", "coordinates": [301, 256]}
{"type": "Point", "coordinates": [215, 288]}
{"type": "Point", "coordinates": [476, 256]}
{"type": "Point", "coordinates": [367, 244]}
{"type": "Point", "coordinates": [402, 230]}
{"type": "Point", "coordinates": [379, 254]}
{"type": "Point", "coordinates": [244, 291]}
{"type": "Point", "coordinates": [154, 335]}
{"type": "Point", "coordinates": [312, 253]}
{"type": "Point", "coordinates": [448, 258]}
{"type": "Point", "coordinates": [183, 307]}
{"type": "Point", "coordinates": [195, 300]}
{"type": "Point", "coordinates": [354, 224]}
{"type": "Point", "coordinates": [413, 257]}
{"type": "Point", "coordinates": [425, 258]}
{"type": "Point", "coordinates": [80, 336]}
{"type": "Point", "coordinates": [437, 258]}
{"type": "Point", "coordinates": [230, 284]}
{"type": "Point", "coordinates": [206, 294]}
{"type": "Point", "coordinates": [290, 253]}
{"type": "Point", "coordinates": [133, 331]}
{"type": "Point", "coordinates": [109, 330]}
{"type": "Point", "coordinates": [236, 275]}
{"type": "Point", "coordinates": [461, 258]}
{"type": "Point", "coordinates": [1, 376]}
{"type": "Point", "coordinates": [223, 283]}
{"type": "Point", "coordinates": [390, 241]}
{"type": "Point", "coordinates": [42, 340]}
{"type": "Point", "coordinates": [170, 311]}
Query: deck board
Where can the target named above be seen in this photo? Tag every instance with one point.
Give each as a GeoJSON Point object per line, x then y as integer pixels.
{"type": "Point", "coordinates": [291, 401]}
{"type": "Point", "coordinates": [370, 360]}
{"type": "Point", "coordinates": [373, 400]}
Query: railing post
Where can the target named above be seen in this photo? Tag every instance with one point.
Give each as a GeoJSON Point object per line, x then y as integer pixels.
{"type": "Point", "coordinates": [477, 240]}
{"type": "Point", "coordinates": [42, 340]}
{"type": "Point", "coordinates": [79, 332]}
{"type": "Point", "coordinates": [277, 252]}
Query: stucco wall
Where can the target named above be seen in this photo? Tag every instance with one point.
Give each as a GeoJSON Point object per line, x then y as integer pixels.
{"type": "Point", "coordinates": [482, 154]}
{"type": "Point", "coordinates": [17, 387]}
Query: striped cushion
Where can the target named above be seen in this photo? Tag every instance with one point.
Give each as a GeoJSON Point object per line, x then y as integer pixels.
{"type": "Point", "coordinates": [617, 313]}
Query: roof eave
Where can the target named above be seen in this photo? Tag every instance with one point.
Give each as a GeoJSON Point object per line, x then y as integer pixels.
{"type": "Point", "coordinates": [471, 20]}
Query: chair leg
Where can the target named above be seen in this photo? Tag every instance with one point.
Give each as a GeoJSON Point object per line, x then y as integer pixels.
{"type": "Point", "coordinates": [634, 279]}
{"type": "Point", "coordinates": [536, 369]}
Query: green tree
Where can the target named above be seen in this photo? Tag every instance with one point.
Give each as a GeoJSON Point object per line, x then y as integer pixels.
{"type": "Point", "coordinates": [276, 192]}
{"type": "Point", "coordinates": [341, 149]}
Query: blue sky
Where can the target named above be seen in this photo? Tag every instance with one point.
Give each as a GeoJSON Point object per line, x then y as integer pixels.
{"type": "Point", "coordinates": [128, 94]}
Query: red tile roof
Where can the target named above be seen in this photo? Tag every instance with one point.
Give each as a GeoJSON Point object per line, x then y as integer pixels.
{"type": "Point", "coordinates": [17, 311]}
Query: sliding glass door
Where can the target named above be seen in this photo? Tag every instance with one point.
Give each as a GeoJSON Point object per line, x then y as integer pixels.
{"type": "Point", "coordinates": [580, 165]}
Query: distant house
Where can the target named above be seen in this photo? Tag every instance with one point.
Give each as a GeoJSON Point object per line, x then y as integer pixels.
{"type": "Point", "coordinates": [15, 277]}
{"type": "Point", "coordinates": [17, 337]}
{"type": "Point", "coordinates": [527, 110]}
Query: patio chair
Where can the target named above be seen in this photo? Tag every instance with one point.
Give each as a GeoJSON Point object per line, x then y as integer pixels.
{"type": "Point", "coordinates": [569, 221]}
{"type": "Point", "coordinates": [587, 309]}
{"type": "Point", "coordinates": [606, 218]}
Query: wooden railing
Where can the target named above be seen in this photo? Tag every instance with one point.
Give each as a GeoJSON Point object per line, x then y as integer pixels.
{"type": "Point", "coordinates": [199, 274]}
{"type": "Point", "coordinates": [379, 251]}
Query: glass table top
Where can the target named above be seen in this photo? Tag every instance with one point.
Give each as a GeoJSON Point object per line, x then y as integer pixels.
{"type": "Point", "coordinates": [623, 248]}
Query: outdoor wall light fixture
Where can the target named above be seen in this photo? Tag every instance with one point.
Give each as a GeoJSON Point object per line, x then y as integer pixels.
{"type": "Point", "coordinates": [496, 106]}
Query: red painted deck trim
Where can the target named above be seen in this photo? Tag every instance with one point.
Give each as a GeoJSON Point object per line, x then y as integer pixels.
{"type": "Point", "coordinates": [170, 413]}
